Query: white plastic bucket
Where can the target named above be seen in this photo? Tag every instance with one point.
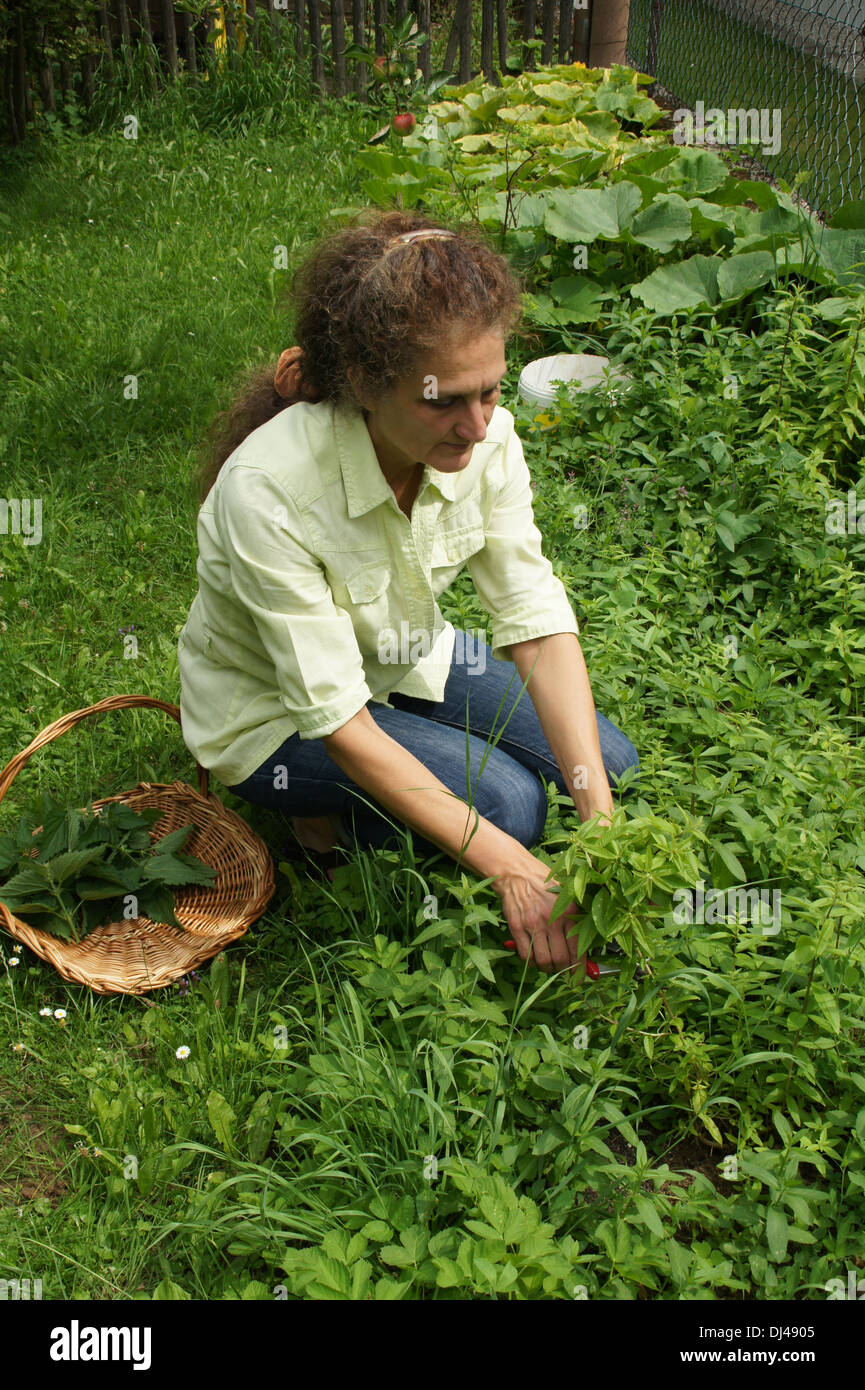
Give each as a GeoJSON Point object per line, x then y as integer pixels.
{"type": "Point", "coordinates": [539, 380]}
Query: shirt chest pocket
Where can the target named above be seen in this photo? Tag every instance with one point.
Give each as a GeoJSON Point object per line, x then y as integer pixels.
{"type": "Point", "coordinates": [451, 549]}
{"type": "Point", "coordinates": [368, 584]}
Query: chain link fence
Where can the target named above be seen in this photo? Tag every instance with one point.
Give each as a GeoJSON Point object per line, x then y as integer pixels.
{"type": "Point", "coordinates": [795, 68]}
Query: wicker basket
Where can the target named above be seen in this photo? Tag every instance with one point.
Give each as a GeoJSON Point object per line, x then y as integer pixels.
{"type": "Point", "coordinates": [137, 955]}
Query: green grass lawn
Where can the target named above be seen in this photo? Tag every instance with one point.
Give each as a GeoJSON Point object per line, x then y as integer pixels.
{"type": "Point", "coordinates": [378, 1100]}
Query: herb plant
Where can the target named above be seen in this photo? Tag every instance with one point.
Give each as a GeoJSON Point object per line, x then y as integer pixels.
{"type": "Point", "coordinates": [89, 866]}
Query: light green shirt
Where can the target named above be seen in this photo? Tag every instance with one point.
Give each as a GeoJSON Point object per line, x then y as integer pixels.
{"type": "Point", "coordinates": [308, 573]}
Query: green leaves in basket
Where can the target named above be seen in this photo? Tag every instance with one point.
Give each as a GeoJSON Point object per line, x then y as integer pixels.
{"type": "Point", "coordinates": [80, 869]}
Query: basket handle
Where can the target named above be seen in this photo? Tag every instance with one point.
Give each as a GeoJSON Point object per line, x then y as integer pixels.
{"type": "Point", "coordinates": [68, 721]}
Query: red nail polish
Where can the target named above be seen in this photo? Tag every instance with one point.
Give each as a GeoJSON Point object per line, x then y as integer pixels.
{"type": "Point", "coordinates": [592, 970]}
{"type": "Point", "coordinates": [511, 945]}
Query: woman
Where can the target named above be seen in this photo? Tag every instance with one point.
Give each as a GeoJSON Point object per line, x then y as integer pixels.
{"type": "Point", "coordinates": [318, 675]}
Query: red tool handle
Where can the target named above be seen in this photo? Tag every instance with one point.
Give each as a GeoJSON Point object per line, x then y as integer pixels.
{"type": "Point", "coordinates": [591, 966]}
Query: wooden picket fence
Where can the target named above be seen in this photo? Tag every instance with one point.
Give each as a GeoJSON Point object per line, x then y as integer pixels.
{"type": "Point", "coordinates": [38, 60]}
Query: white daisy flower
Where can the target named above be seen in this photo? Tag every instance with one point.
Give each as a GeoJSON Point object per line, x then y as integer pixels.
{"type": "Point", "coordinates": [182, 1053]}
{"type": "Point", "coordinates": [46, 1012]}
{"type": "Point", "coordinates": [59, 1013]}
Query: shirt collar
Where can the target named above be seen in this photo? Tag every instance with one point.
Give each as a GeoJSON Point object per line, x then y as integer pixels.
{"type": "Point", "coordinates": [365, 484]}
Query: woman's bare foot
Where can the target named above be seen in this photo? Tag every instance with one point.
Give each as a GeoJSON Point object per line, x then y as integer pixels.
{"type": "Point", "coordinates": [315, 832]}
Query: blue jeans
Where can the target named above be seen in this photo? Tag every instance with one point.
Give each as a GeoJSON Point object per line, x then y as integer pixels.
{"type": "Point", "coordinates": [507, 792]}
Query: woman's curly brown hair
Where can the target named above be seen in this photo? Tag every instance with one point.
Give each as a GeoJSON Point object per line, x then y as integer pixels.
{"type": "Point", "coordinates": [362, 302]}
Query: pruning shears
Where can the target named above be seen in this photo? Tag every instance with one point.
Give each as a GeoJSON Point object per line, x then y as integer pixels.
{"type": "Point", "coordinates": [594, 968]}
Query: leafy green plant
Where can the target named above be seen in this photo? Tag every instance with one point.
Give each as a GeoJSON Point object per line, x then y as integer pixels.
{"type": "Point", "coordinates": [78, 869]}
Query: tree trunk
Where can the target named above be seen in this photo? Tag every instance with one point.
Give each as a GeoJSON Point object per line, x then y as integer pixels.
{"type": "Point", "coordinates": [315, 44]}
{"type": "Point", "coordinates": [46, 88]}
{"type": "Point", "coordinates": [146, 34]}
{"type": "Point", "coordinates": [549, 30]}
{"type": "Point", "coordinates": [299, 23]}
{"type": "Point", "coordinates": [380, 20]}
{"type": "Point", "coordinates": [125, 36]}
{"type": "Point", "coordinates": [464, 20]}
{"type": "Point", "coordinates": [530, 10]}
{"type": "Point", "coordinates": [105, 35]}
{"type": "Point", "coordinates": [358, 34]}
{"type": "Point", "coordinates": [87, 80]}
{"type": "Point", "coordinates": [230, 34]}
{"type": "Point", "coordinates": [65, 77]}
{"type": "Point", "coordinates": [488, 19]}
{"type": "Point", "coordinates": [252, 25]}
{"type": "Point", "coordinates": [453, 47]}
{"type": "Point", "coordinates": [337, 42]}
{"type": "Point", "coordinates": [401, 9]}
{"type": "Point", "coordinates": [8, 98]}
{"type": "Point", "coordinates": [19, 77]}
{"type": "Point", "coordinates": [566, 27]}
{"type": "Point", "coordinates": [423, 24]}
{"type": "Point", "coordinates": [502, 30]}
{"type": "Point", "coordinates": [169, 34]}
{"type": "Point", "coordinates": [189, 44]}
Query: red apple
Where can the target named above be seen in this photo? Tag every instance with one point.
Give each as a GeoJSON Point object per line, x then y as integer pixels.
{"type": "Point", "coordinates": [381, 68]}
{"type": "Point", "coordinates": [404, 123]}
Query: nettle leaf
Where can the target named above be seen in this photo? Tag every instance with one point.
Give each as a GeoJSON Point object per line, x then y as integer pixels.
{"type": "Point", "coordinates": [95, 889]}
{"type": "Point", "coordinates": [57, 926]}
{"type": "Point", "coordinates": [171, 843]}
{"type": "Point", "coordinates": [10, 853]}
{"type": "Point", "coordinates": [32, 880]}
{"type": "Point", "coordinates": [167, 868]}
{"type": "Point", "coordinates": [57, 832]}
{"type": "Point", "coordinates": [156, 901]}
{"type": "Point", "coordinates": [66, 866]}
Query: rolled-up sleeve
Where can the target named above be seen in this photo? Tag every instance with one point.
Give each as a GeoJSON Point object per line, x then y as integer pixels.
{"type": "Point", "coordinates": [513, 578]}
{"type": "Point", "coordinates": [281, 588]}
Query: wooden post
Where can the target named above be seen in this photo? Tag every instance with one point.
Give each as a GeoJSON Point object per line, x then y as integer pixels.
{"type": "Point", "coordinates": [529, 25]}
{"type": "Point", "coordinates": [488, 18]}
{"type": "Point", "coordinates": [549, 30]}
{"type": "Point", "coordinates": [315, 44]}
{"type": "Point", "coordinates": [337, 38]}
{"type": "Point", "coordinates": [169, 34]}
{"type": "Point", "coordinates": [464, 22]}
{"type": "Point", "coordinates": [423, 24]}
{"type": "Point", "coordinates": [358, 32]}
{"type": "Point", "coordinates": [401, 9]}
{"type": "Point", "coordinates": [299, 23]}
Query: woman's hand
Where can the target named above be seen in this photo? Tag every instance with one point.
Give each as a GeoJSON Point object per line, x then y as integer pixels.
{"type": "Point", "coordinates": [527, 900]}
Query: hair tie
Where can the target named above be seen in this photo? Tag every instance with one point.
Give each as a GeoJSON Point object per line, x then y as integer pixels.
{"type": "Point", "coordinates": [287, 380]}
